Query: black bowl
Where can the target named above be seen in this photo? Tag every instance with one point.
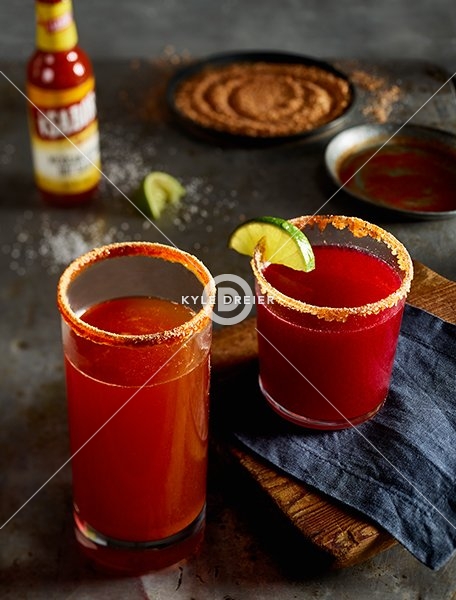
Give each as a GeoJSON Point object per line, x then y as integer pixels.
{"type": "Point", "coordinates": [433, 146]}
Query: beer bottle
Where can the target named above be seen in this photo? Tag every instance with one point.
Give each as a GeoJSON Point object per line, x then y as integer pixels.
{"type": "Point", "coordinates": [62, 109]}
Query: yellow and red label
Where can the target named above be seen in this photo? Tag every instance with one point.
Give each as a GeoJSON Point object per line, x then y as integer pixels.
{"type": "Point", "coordinates": [55, 27]}
{"type": "Point", "coordinates": [65, 140]}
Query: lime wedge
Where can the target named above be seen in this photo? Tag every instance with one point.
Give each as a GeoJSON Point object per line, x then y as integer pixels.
{"type": "Point", "coordinates": [283, 243]}
{"type": "Point", "coordinates": [156, 191]}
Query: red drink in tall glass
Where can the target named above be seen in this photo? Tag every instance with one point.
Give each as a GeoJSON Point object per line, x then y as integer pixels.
{"type": "Point", "coordinates": [140, 495]}
{"type": "Point", "coordinates": [137, 371]}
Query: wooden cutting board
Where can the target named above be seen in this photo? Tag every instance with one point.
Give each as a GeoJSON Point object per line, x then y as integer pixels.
{"type": "Point", "coordinates": [346, 536]}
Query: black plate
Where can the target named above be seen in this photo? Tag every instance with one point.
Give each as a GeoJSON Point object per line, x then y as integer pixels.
{"type": "Point", "coordinates": [252, 57]}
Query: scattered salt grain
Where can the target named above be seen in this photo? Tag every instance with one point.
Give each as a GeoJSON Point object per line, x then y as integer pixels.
{"type": "Point", "coordinates": [53, 244]}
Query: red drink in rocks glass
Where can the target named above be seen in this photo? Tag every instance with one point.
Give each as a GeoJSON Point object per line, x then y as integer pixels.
{"type": "Point", "coordinates": [327, 338]}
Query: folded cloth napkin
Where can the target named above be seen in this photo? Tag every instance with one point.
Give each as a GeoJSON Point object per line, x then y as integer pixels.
{"type": "Point", "coordinates": [399, 468]}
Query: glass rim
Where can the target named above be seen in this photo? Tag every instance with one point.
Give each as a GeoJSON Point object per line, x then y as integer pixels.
{"type": "Point", "coordinates": [148, 249]}
{"type": "Point", "coordinates": [359, 228]}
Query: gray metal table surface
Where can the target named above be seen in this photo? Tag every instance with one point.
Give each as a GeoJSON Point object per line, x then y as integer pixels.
{"type": "Point", "coordinates": [241, 557]}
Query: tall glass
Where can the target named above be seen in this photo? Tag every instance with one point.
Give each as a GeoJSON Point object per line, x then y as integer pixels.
{"type": "Point", "coordinates": [327, 338]}
{"type": "Point", "coordinates": [137, 372]}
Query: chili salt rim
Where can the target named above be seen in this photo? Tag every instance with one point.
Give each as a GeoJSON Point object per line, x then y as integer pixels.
{"type": "Point", "coordinates": [359, 229]}
{"type": "Point", "coordinates": [148, 249]}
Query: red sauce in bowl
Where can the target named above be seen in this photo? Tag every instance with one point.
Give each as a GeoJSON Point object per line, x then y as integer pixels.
{"type": "Point", "coordinates": [406, 174]}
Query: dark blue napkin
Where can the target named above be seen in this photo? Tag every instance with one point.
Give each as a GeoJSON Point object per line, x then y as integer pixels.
{"type": "Point", "coordinates": [399, 469]}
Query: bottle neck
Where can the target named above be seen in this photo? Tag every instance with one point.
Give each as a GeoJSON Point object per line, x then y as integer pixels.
{"type": "Point", "coordinates": [55, 27]}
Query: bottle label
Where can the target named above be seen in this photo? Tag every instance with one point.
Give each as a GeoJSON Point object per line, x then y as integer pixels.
{"type": "Point", "coordinates": [55, 28]}
{"type": "Point", "coordinates": [65, 141]}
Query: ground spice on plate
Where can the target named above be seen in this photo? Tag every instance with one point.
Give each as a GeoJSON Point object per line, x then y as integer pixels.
{"type": "Point", "coordinates": [263, 99]}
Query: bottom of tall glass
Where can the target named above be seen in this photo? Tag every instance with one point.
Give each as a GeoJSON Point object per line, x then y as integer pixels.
{"type": "Point", "coordinates": [135, 558]}
{"type": "Point", "coordinates": [304, 421]}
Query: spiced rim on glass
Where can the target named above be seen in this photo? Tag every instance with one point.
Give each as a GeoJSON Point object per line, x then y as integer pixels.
{"type": "Point", "coordinates": [151, 249]}
{"type": "Point", "coordinates": [327, 365]}
{"type": "Point", "coordinates": [359, 228]}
